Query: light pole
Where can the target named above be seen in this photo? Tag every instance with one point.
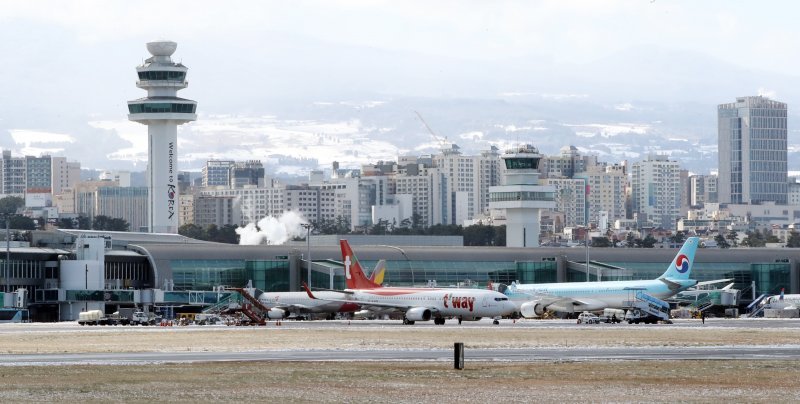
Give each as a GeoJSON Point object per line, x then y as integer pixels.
{"type": "Point", "coordinates": [8, 253]}
{"type": "Point", "coordinates": [587, 252]}
{"type": "Point", "coordinates": [308, 226]}
{"type": "Point", "coordinates": [86, 293]}
{"type": "Point", "coordinates": [407, 259]}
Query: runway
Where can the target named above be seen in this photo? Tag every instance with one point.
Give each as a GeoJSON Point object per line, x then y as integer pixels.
{"type": "Point", "coordinates": [388, 340]}
{"type": "Point", "coordinates": [504, 355]}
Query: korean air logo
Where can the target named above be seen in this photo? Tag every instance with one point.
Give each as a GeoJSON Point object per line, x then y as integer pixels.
{"type": "Point", "coordinates": [682, 264]}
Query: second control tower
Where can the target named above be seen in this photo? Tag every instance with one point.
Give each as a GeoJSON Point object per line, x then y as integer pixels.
{"type": "Point", "coordinates": [162, 111]}
{"type": "Point", "coordinates": [521, 196]}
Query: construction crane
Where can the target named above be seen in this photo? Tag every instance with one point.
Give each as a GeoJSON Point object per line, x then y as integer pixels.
{"type": "Point", "coordinates": [442, 142]}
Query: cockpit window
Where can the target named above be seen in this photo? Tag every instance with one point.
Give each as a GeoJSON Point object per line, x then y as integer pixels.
{"type": "Point", "coordinates": [500, 299]}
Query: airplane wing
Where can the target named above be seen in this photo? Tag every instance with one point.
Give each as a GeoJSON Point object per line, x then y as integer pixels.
{"type": "Point", "coordinates": [672, 285]}
{"type": "Point", "coordinates": [704, 283]}
{"type": "Point", "coordinates": [294, 307]}
{"type": "Point", "coordinates": [401, 307]}
{"type": "Point", "coordinates": [547, 299]}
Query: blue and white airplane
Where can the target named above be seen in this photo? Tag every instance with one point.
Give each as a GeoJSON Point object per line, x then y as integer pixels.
{"type": "Point", "coordinates": [534, 298]}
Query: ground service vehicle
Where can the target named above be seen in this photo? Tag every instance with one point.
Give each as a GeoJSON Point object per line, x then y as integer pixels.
{"type": "Point", "coordinates": [588, 318]}
{"type": "Point", "coordinates": [122, 317]}
{"type": "Point", "coordinates": [93, 317]}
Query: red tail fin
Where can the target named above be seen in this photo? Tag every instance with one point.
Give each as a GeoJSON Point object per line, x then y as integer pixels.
{"type": "Point", "coordinates": [353, 274]}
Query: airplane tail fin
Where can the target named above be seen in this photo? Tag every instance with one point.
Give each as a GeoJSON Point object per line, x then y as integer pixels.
{"type": "Point", "coordinates": [353, 274]}
{"type": "Point", "coordinates": [681, 265]}
{"type": "Point", "coordinates": [379, 272]}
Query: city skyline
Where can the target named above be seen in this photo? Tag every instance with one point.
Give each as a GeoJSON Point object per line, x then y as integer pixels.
{"type": "Point", "coordinates": [283, 82]}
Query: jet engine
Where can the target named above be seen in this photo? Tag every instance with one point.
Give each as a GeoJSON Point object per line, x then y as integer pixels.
{"type": "Point", "coordinates": [277, 314]}
{"type": "Point", "coordinates": [418, 314]}
{"type": "Point", "coordinates": [532, 309]}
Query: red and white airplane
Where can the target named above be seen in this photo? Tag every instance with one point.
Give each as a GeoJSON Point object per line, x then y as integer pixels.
{"type": "Point", "coordinates": [418, 304]}
{"type": "Point", "coordinates": [283, 304]}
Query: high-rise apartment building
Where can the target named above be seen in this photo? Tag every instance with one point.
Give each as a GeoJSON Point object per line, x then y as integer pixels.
{"type": "Point", "coordinates": [567, 164]}
{"type": "Point", "coordinates": [217, 173]}
{"type": "Point", "coordinates": [38, 174]}
{"type": "Point", "coordinates": [570, 199]}
{"type": "Point", "coordinates": [186, 209]}
{"type": "Point", "coordinates": [128, 203]}
{"type": "Point", "coordinates": [66, 174]}
{"type": "Point", "coordinates": [254, 203]}
{"type": "Point", "coordinates": [702, 190]}
{"type": "Point", "coordinates": [605, 192]}
{"type": "Point", "coordinates": [468, 181]}
{"type": "Point", "coordinates": [14, 182]}
{"type": "Point", "coordinates": [216, 210]}
{"type": "Point", "coordinates": [245, 173]}
{"type": "Point", "coordinates": [656, 190]}
{"type": "Point", "coordinates": [752, 151]}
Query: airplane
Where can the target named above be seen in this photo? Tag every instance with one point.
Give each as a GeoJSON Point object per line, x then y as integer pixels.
{"type": "Point", "coordinates": [418, 304]}
{"type": "Point", "coordinates": [283, 304]}
{"type": "Point", "coordinates": [574, 297]}
{"type": "Point", "coordinates": [782, 301]}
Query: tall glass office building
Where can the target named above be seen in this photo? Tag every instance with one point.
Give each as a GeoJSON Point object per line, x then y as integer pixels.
{"type": "Point", "coordinates": [752, 151]}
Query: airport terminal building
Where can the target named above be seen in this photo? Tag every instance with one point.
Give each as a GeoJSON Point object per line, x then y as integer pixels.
{"type": "Point", "coordinates": [71, 271]}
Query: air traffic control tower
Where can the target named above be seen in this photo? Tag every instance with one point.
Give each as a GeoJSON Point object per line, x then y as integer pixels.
{"type": "Point", "coordinates": [521, 196]}
{"type": "Point", "coordinates": [162, 111]}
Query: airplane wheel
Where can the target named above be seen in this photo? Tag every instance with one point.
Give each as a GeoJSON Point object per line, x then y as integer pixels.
{"type": "Point", "coordinates": [496, 322]}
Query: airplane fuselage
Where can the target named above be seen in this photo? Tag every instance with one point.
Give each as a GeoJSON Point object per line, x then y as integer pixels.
{"type": "Point", "coordinates": [466, 303]}
{"type": "Point", "coordinates": [593, 295]}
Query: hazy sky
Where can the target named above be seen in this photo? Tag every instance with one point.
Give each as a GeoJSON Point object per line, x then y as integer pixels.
{"type": "Point", "coordinates": [68, 67]}
{"type": "Point", "coordinates": [553, 31]}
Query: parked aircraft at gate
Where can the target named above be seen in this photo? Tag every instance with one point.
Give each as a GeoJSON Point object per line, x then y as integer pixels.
{"type": "Point", "coordinates": [570, 297]}
{"type": "Point", "coordinates": [418, 304]}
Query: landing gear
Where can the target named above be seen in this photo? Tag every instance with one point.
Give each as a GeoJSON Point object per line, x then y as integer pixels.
{"type": "Point", "coordinates": [438, 320]}
{"type": "Point", "coordinates": [496, 322]}
{"type": "Point", "coordinates": [407, 321]}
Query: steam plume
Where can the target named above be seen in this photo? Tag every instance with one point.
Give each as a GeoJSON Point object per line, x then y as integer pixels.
{"type": "Point", "coordinates": [271, 230]}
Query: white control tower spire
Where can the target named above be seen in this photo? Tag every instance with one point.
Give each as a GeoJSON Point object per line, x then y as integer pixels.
{"type": "Point", "coordinates": [162, 111]}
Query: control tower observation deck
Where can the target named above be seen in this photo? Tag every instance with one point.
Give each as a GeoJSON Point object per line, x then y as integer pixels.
{"type": "Point", "coordinates": [162, 111]}
{"type": "Point", "coordinates": [521, 196]}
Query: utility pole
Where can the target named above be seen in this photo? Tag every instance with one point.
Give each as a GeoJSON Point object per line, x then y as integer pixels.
{"type": "Point", "coordinates": [86, 295]}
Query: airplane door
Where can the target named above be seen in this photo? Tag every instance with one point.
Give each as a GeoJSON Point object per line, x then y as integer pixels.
{"type": "Point", "coordinates": [485, 302]}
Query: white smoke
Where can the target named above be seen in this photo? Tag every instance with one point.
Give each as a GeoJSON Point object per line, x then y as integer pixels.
{"type": "Point", "coordinates": [273, 231]}
{"type": "Point", "coordinates": [771, 94]}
